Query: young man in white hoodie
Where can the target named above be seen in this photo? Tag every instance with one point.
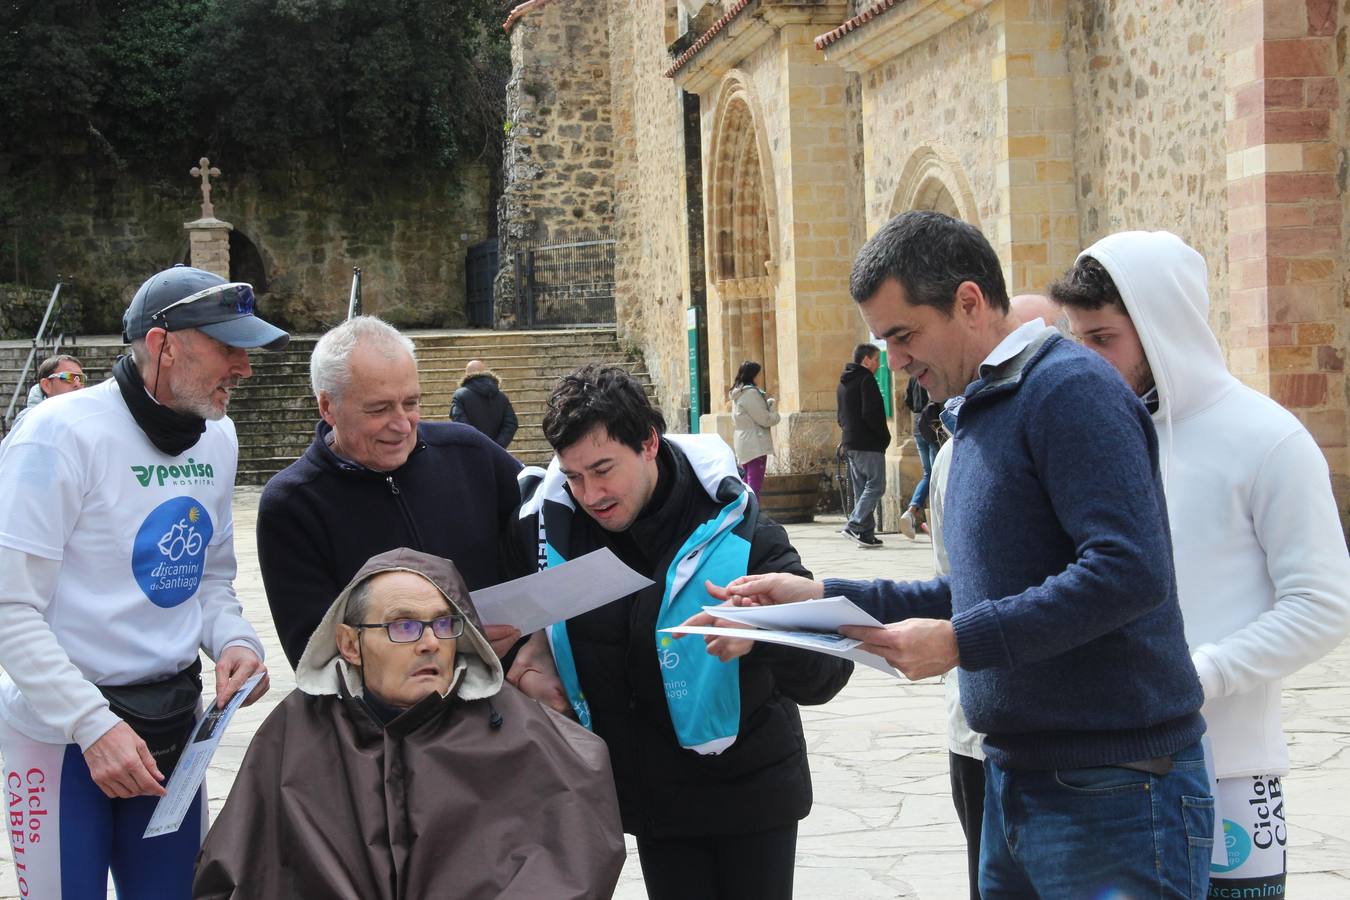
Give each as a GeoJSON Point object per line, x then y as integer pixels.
{"type": "Point", "coordinates": [1261, 562]}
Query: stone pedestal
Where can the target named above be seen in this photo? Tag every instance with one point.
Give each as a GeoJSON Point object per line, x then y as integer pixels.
{"type": "Point", "coordinates": [720, 424]}
{"type": "Point", "coordinates": [209, 245]}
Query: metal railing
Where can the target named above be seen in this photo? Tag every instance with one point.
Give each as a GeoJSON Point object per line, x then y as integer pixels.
{"type": "Point", "coordinates": [566, 282]}
{"type": "Point", "coordinates": [49, 317]}
{"type": "Point", "coordinates": [354, 304]}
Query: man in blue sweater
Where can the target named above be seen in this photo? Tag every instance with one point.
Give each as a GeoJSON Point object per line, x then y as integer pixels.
{"type": "Point", "coordinates": [1061, 609]}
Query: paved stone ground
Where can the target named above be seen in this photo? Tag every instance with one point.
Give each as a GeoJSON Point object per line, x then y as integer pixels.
{"type": "Point", "coordinates": [883, 824]}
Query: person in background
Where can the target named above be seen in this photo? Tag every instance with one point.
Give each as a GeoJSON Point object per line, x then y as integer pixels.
{"type": "Point", "coordinates": [56, 375]}
{"type": "Point", "coordinates": [862, 416]}
{"type": "Point", "coordinates": [926, 444]}
{"type": "Point", "coordinates": [480, 402]}
{"type": "Point", "coordinates": [753, 413]}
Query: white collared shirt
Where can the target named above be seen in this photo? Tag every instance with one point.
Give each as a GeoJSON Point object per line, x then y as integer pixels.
{"type": "Point", "coordinates": [1017, 341]}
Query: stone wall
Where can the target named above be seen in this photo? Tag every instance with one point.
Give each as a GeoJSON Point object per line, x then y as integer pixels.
{"type": "Point", "coordinates": [1151, 153]}
{"type": "Point", "coordinates": [1334, 428]}
{"type": "Point", "coordinates": [650, 214]}
{"type": "Point", "coordinates": [912, 104]}
{"type": "Point", "coordinates": [932, 141]}
{"type": "Point", "coordinates": [558, 158]}
{"type": "Point", "coordinates": [407, 228]}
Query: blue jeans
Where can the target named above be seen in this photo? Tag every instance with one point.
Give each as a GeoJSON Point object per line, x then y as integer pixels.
{"type": "Point", "coordinates": [926, 453]}
{"type": "Point", "coordinates": [867, 470]}
{"type": "Point", "coordinates": [1097, 832]}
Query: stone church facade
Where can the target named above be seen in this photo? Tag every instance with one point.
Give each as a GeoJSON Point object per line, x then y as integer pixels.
{"type": "Point", "coordinates": [753, 145]}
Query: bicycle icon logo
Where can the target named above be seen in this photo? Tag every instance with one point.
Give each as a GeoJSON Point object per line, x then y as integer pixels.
{"type": "Point", "coordinates": [180, 539]}
{"type": "Point", "coordinates": [669, 658]}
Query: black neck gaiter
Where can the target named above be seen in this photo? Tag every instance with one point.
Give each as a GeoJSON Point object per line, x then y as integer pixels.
{"type": "Point", "coordinates": [171, 432]}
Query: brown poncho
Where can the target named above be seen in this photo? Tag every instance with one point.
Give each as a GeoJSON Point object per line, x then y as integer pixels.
{"type": "Point", "coordinates": [440, 802]}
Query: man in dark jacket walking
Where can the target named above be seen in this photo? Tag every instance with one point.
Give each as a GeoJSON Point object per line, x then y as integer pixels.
{"type": "Point", "coordinates": [480, 402]}
{"type": "Point", "coordinates": [709, 758]}
{"type": "Point", "coordinates": [862, 415]}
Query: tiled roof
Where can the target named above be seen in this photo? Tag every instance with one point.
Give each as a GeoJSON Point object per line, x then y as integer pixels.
{"type": "Point", "coordinates": [855, 23]}
{"type": "Point", "coordinates": [705, 38]}
{"type": "Point", "coordinates": [521, 10]}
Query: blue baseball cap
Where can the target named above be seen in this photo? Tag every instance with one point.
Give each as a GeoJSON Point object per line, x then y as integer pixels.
{"type": "Point", "coordinates": [184, 297]}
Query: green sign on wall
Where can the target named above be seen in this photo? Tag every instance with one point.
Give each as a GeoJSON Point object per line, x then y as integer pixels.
{"type": "Point", "coordinates": [883, 376]}
{"type": "Point", "coordinates": [695, 388]}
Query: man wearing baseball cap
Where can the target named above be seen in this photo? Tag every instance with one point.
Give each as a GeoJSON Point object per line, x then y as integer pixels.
{"type": "Point", "coordinates": [116, 563]}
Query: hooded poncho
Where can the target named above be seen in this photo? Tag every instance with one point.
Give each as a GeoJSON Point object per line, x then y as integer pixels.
{"type": "Point", "coordinates": [480, 793]}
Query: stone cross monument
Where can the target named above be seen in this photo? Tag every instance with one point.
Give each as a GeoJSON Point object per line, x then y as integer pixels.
{"type": "Point", "coordinates": [209, 237]}
{"type": "Point", "coordinates": [204, 170]}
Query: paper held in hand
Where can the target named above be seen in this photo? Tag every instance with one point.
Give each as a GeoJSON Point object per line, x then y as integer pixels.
{"type": "Point", "coordinates": [191, 769]}
{"type": "Point", "coordinates": [558, 592]}
{"type": "Point", "coordinates": [809, 625]}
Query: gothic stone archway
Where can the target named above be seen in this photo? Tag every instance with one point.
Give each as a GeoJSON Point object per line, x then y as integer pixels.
{"type": "Point", "coordinates": [927, 182]}
{"type": "Point", "coordinates": [741, 252]}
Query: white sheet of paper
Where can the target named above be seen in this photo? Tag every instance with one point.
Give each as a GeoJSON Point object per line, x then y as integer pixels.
{"type": "Point", "coordinates": [833, 644]}
{"type": "Point", "coordinates": [558, 592]}
{"type": "Point", "coordinates": [191, 769]}
{"type": "Point", "coordinates": [826, 614]}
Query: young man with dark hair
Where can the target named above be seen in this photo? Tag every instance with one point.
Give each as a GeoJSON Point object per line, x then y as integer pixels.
{"type": "Point", "coordinates": [862, 416]}
{"type": "Point", "coordinates": [1061, 606]}
{"type": "Point", "coordinates": [708, 755]}
{"type": "Point", "coordinates": [1261, 564]}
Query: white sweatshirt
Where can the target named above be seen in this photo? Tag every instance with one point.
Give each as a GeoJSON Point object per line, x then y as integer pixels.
{"type": "Point", "coordinates": [1262, 568]}
{"type": "Point", "coordinates": [116, 561]}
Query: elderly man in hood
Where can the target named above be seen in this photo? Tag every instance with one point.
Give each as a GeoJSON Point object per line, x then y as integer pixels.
{"type": "Point", "coordinates": [1261, 564]}
{"type": "Point", "coordinates": [402, 766]}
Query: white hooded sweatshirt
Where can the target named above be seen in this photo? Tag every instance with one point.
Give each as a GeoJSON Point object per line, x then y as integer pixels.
{"type": "Point", "coordinates": [1262, 568]}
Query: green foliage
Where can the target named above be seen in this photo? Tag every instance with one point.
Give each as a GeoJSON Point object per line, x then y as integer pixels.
{"type": "Point", "coordinates": [145, 83]}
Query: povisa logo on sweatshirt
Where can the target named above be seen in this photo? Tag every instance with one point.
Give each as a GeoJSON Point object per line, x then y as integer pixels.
{"type": "Point", "coordinates": [181, 475]}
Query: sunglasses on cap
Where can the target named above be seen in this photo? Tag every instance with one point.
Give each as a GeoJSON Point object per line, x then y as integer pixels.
{"type": "Point", "coordinates": [67, 377]}
{"type": "Point", "coordinates": [234, 297]}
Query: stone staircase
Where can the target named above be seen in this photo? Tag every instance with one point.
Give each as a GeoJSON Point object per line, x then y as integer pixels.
{"type": "Point", "coordinates": [275, 412]}
{"type": "Point", "coordinates": [96, 353]}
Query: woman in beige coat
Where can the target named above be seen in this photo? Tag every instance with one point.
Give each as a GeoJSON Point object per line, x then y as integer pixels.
{"type": "Point", "coordinates": [753, 415]}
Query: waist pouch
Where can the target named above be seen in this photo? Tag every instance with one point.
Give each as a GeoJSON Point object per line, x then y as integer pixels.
{"type": "Point", "coordinates": [162, 713]}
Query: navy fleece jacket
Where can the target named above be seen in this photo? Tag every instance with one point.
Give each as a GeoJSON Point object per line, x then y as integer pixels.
{"type": "Point", "coordinates": [1062, 592]}
{"type": "Point", "coordinates": [321, 518]}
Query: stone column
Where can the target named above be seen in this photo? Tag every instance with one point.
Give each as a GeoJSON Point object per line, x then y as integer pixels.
{"type": "Point", "coordinates": [1286, 218]}
{"type": "Point", "coordinates": [1037, 234]}
{"type": "Point", "coordinates": [817, 323]}
{"type": "Point", "coordinates": [209, 245]}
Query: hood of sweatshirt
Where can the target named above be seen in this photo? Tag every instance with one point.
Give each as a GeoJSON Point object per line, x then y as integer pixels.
{"type": "Point", "coordinates": [1163, 283]}
{"type": "Point", "coordinates": [484, 384]}
{"type": "Point", "coordinates": [854, 372]}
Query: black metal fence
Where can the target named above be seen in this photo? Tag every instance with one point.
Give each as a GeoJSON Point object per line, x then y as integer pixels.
{"type": "Point", "coordinates": [567, 282]}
